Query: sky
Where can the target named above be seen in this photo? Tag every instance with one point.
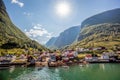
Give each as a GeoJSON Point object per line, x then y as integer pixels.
{"type": "Point", "coordinates": [42, 19]}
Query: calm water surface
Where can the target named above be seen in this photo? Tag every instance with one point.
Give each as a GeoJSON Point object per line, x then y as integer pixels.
{"type": "Point", "coordinates": [89, 72]}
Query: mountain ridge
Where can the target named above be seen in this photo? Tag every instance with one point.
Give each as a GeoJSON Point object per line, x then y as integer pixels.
{"type": "Point", "coordinates": [66, 37]}
{"type": "Point", "coordinates": [11, 35]}
{"type": "Point", "coordinates": [109, 13]}
{"type": "Point", "coordinates": [100, 30]}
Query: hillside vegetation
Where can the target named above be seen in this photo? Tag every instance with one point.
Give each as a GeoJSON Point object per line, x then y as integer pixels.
{"type": "Point", "coordinates": [107, 35]}
{"type": "Point", "coordinates": [12, 37]}
{"type": "Point", "coordinates": [100, 30]}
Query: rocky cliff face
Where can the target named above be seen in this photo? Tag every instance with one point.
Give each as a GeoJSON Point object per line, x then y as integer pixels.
{"type": "Point", "coordinates": [10, 35]}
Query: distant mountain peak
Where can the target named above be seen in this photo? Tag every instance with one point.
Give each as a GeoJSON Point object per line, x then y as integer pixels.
{"type": "Point", "coordinates": [65, 38]}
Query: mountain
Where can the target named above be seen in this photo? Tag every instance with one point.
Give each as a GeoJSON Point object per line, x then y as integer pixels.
{"type": "Point", "coordinates": [100, 30]}
{"type": "Point", "coordinates": [65, 38]}
{"type": "Point", "coordinates": [51, 42]}
{"type": "Point", "coordinates": [10, 35]}
{"type": "Point", "coordinates": [111, 16]}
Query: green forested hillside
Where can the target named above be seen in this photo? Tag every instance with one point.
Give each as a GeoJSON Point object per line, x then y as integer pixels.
{"type": "Point", "coordinates": [100, 30]}
{"type": "Point", "coordinates": [107, 35]}
{"type": "Point", "coordinates": [11, 36]}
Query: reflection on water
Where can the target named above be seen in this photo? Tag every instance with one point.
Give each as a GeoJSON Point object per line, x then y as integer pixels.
{"type": "Point", "coordinates": [102, 66]}
{"type": "Point", "coordinates": [11, 69]}
{"type": "Point", "coordinates": [44, 74]}
{"type": "Point", "coordinates": [88, 72]}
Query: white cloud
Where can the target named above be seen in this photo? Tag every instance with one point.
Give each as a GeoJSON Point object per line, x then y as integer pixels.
{"type": "Point", "coordinates": [17, 2]}
{"type": "Point", "coordinates": [38, 33]}
{"type": "Point", "coordinates": [27, 14]}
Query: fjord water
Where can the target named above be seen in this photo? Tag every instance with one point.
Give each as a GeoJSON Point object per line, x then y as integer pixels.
{"type": "Point", "coordinates": [88, 72]}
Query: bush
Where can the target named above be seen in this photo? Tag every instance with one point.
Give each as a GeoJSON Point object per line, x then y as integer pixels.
{"type": "Point", "coordinates": [9, 45]}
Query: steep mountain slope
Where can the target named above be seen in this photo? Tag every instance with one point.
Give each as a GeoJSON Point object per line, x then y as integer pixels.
{"type": "Point", "coordinates": [67, 37]}
{"type": "Point", "coordinates": [51, 42]}
{"type": "Point", "coordinates": [100, 30]}
{"type": "Point", "coordinates": [111, 16]}
{"type": "Point", "coordinates": [10, 35]}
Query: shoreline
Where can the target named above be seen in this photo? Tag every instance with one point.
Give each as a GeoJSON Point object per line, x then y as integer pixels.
{"type": "Point", "coordinates": [55, 64]}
